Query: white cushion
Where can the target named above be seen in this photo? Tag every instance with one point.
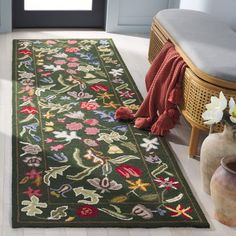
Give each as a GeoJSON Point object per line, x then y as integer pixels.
{"type": "Point", "coordinates": [209, 43]}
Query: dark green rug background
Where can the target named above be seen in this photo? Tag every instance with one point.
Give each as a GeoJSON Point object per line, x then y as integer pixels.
{"type": "Point", "coordinates": [32, 99]}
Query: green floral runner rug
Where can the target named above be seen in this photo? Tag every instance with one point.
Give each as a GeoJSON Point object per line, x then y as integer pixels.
{"type": "Point", "coordinates": [74, 165]}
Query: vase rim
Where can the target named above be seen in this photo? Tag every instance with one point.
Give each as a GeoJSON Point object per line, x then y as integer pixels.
{"type": "Point", "coordinates": [227, 160]}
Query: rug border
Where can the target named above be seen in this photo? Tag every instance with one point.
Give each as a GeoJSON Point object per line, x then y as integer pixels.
{"type": "Point", "coordinates": [171, 153]}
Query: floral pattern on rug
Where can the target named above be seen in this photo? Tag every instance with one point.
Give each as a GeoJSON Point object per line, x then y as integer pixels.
{"type": "Point", "coordinates": [74, 164]}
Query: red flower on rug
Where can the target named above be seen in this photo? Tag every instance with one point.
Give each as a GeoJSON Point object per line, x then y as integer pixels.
{"type": "Point", "coordinates": [99, 87]}
{"type": "Point", "coordinates": [87, 211]}
{"type": "Point", "coordinates": [25, 52]}
{"type": "Point", "coordinates": [57, 147]}
{"type": "Point", "coordinates": [29, 110]}
{"type": "Point", "coordinates": [127, 171]}
{"type": "Point", "coordinates": [89, 105]}
{"type": "Point", "coordinates": [33, 192]}
{"type": "Point", "coordinates": [72, 50]}
{"type": "Point", "coordinates": [33, 174]}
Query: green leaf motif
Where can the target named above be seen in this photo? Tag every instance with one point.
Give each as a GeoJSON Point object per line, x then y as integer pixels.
{"type": "Point", "coordinates": [130, 146]}
{"type": "Point", "coordinates": [94, 81]}
{"type": "Point", "coordinates": [82, 174]}
{"type": "Point", "coordinates": [116, 214]}
{"type": "Point", "coordinates": [78, 158]}
{"type": "Point", "coordinates": [53, 172]}
{"type": "Point", "coordinates": [94, 197]}
{"type": "Point", "coordinates": [106, 169]}
{"type": "Point", "coordinates": [32, 207]}
{"type": "Point", "coordinates": [123, 159]}
{"type": "Point", "coordinates": [58, 213]}
{"type": "Point", "coordinates": [150, 197]}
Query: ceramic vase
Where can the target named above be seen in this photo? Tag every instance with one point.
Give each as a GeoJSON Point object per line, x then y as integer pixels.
{"type": "Point", "coordinates": [223, 191]}
{"type": "Point", "coordinates": [214, 148]}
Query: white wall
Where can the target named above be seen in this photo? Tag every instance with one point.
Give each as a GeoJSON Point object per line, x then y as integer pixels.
{"type": "Point", "coordinates": [223, 9]}
{"type": "Point", "coordinates": [132, 15]}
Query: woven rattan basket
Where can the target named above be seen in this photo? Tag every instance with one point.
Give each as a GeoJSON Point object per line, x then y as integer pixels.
{"type": "Point", "coordinates": [197, 90]}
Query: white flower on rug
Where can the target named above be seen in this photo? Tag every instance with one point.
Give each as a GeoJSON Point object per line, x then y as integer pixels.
{"type": "Point", "coordinates": [31, 207]}
{"type": "Point", "coordinates": [53, 68]}
{"type": "Point", "coordinates": [25, 75]}
{"type": "Point", "coordinates": [116, 72]}
{"type": "Point", "coordinates": [150, 144]}
{"type": "Point", "coordinates": [75, 115]}
{"type": "Point", "coordinates": [68, 137]}
{"type": "Point", "coordinates": [214, 112]}
{"type": "Point", "coordinates": [232, 110]}
{"type": "Point", "coordinates": [104, 184]}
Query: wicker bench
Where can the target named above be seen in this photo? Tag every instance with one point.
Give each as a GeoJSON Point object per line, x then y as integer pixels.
{"type": "Point", "coordinates": [208, 46]}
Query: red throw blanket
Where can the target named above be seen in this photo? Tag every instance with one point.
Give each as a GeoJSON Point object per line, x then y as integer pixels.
{"type": "Point", "coordinates": [159, 111]}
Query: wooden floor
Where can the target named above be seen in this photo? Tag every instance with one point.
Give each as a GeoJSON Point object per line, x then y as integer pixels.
{"type": "Point", "coordinates": [134, 52]}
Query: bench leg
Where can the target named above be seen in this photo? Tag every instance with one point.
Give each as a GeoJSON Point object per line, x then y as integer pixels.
{"type": "Point", "coordinates": [193, 143]}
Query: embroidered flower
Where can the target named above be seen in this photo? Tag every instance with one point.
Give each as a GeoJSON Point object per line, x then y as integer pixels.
{"type": "Point", "coordinates": [150, 144]}
{"type": "Point", "coordinates": [57, 147]}
{"type": "Point", "coordinates": [33, 161]}
{"type": "Point", "coordinates": [113, 149]}
{"type": "Point", "coordinates": [76, 115]}
{"type": "Point", "coordinates": [92, 131]}
{"type": "Point", "coordinates": [72, 41]}
{"type": "Point", "coordinates": [128, 171]}
{"type": "Point", "coordinates": [73, 64]}
{"type": "Point", "coordinates": [31, 149]}
{"type": "Point", "coordinates": [91, 122]}
{"type": "Point", "coordinates": [60, 62]}
{"type": "Point", "coordinates": [153, 159]}
{"type": "Point", "coordinates": [89, 105]}
{"type": "Point", "coordinates": [90, 142]}
{"type": "Point", "coordinates": [26, 98]}
{"type": "Point", "coordinates": [33, 174]}
{"type": "Point", "coordinates": [33, 192]}
{"type": "Point", "coordinates": [74, 126]}
{"type": "Point", "coordinates": [26, 82]}
{"type": "Point", "coordinates": [70, 71]}
{"type": "Point", "coordinates": [126, 94]}
{"type": "Point", "coordinates": [64, 135]}
{"type": "Point", "coordinates": [99, 87]}
{"type": "Point", "coordinates": [117, 72]}
{"type": "Point", "coordinates": [87, 211]}
{"type": "Point", "coordinates": [180, 210]}
{"type": "Point", "coordinates": [72, 59]}
{"type": "Point", "coordinates": [51, 42]}
{"type": "Point", "coordinates": [25, 52]}
{"type": "Point", "coordinates": [26, 75]}
{"type": "Point", "coordinates": [71, 50]}
{"type": "Point", "coordinates": [105, 185]}
{"type": "Point", "coordinates": [167, 183]}
{"type": "Point", "coordinates": [49, 140]}
{"type": "Point", "coordinates": [138, 185]}
{"type": "Point", "coordinates": [110, 138]}
{"type": "Point", "coordinates": [29, 110]}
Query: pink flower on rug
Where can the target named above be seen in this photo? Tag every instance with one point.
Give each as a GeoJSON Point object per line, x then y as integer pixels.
{"type": "Point", "coordinates": [89, 105]}
{"type": "Point", "coordinates": [33, 174]}
{"type": "Point", "coordinates": [49, 140]}
{"type": "Point", "coordinates": [72, 59]}
{"type": "Point", "coordinates": [61, 120]}
{"type": "Point", "coordinates": [99, 87]}
{"type": "Point", "coordinates": [31, 192]}
{"type": "Point", "coordinates": [75, 49]}
{"type": "Point", "coordinates": [57, 147]}
{"type": "Point", "coordinates": [60, 62]}
{"type": "Point", "coordinates": [50, 42]}
{"type": "Point", "coordinates": [92, 131]}
{"type": "Point", "coordinates": [91, 122]}
{"type": "Point", "coordinates": [74, 126]}
{"type": "Point", "coordinates": [72, 72]}
{"type": "Point", "coordinates": [26, 98]}
{"type": "Point", "coordinates": [73, 64]}
{"type": "Point", "coordinates": [72, 41]}
{"type": "Point", "coordinates": [90, 142]}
